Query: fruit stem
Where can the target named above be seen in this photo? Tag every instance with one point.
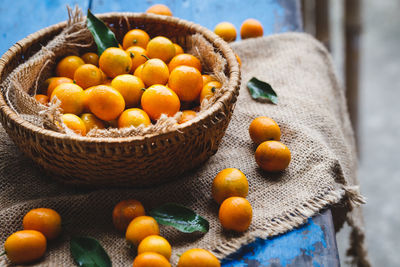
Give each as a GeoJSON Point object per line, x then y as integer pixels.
{"type": "Point", "coordinates": [143, 89]}
{"type": "Point", "coordinates": [3, 253]}
{"type": "Point", "coordinates": [145, 57]}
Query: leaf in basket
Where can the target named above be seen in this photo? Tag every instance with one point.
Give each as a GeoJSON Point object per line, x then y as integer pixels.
{"type": "Point", "coordinates": [180, 217]}
{"type": "Point", "coordinates": [260, 90]}
{"type": "Point", "coordinates": [87, 252]}
{"type": "Point", "coordinates": [102, 35]}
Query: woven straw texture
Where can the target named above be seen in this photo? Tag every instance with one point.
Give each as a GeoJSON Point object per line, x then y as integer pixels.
{"type": "Point", "coordinates": [315, 126]}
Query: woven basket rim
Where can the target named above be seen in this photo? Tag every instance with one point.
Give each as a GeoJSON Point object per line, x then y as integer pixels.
{"type": "Point", "coordinates": [216, 41]}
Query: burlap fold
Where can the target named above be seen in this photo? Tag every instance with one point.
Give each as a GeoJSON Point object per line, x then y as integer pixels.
{"type": "Point", "coordinates": [315, 126]}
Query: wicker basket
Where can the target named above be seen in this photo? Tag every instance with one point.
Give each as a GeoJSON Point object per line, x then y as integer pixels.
{"type": "Point", "coordinates": [130, 161]}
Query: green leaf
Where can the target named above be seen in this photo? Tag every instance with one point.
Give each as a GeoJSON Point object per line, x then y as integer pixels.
{"type": "Point", "coordinates": [102, 35]}
{"type": "Point", "coordinates": [260, 90]}
{"type": "Point", "coordinates": [180, 217]}
{"type": "Point", "coordinates": [87, 252]}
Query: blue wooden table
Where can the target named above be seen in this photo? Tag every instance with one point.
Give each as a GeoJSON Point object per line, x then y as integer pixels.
{"type": "Point", "coordinates": [312, 244]}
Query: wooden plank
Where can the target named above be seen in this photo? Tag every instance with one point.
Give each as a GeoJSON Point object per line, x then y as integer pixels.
{"type": "Point", "coordinates": [322, 32]}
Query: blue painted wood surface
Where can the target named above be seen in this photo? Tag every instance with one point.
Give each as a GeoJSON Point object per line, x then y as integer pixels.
{"type": "Point", "coordinates": [314, 243]}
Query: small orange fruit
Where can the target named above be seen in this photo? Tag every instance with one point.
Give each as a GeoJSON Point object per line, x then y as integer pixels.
{"type": "Point", "coordinates": [186, 82]}
{"type": "Point", "coordinates": [74, 123]}
{"type": "Point", "coordinates": [47, 221]}
{"type": "Point", "coordinates": [135, 37]}
{"type": "Point", "coordinates": [106, 102]}
{"type": "Point", "coordinates": [264, 129]}
{"type": "Point", "coordinates": [48, 81]}
{"type": "Point", "coordinates": [272, 156]}
{"type": "Point", "coordinates": [140, 228]}
{"type": "Point", "coordinates": [150, 259]}
{"type": "Point", "coordinates": [138, 55]}
{"type": "Point", "coordinates": [133, 117]}
{"type": "Point", "coordinates": [162, 48]}
{"type": "Point", "coordinates": [91, 58]}
{"type": "Point", "coordinates": [159, 99]}
{"type": "Point", "coordinates": [208, 90]}
{"type": "Point", "coordinates": [125, 211]}
{"type": "Point", "coordinates": [71, 97]}
{"type": "Point", "coordinates": [159, 9]}
{"type": "Point", "coordinates": [42, 99]}
{"type": "Point", "coordinates": [206, 79]}
{"type": "Point", "coordinates": [68, 65]}
{"type": "Point", "coordinates": [157, 244]}
{"type": "Point", "coordinates": [138, 72]}
{"type": "Point", "coordinates": [229, 182]}
{"type": "Point", "coordinates": [115, 61]}
{"type": "Point", "coordinates": [187, 115]}
{"type": "Point", "coordinates": [226, 31]}
{"type": "Point", "coordinates": [56, 81]}
{"type": "Point", "coordinates": [184, 59]}
{"type": "Point", "coordinates": [130, 87]}
{"type": "Point", "coordinates": [197, 257]}
{"type": "Point", "coordinates": [86, 94]}
{"type": "Point", "coordinates": [88, 75]}
{"type": "Point", "coordinates": [25, 246]}
{"type": "Point", "coordinates": [235, 213]}
{"type": "Point", "coordinates": [154, 71]}
{"type": "Point", "coordinates": [251, 28]}
{"type": "Point", "coordinates": [178, 49]}
{"type": "Point", "coordinates": [91, 122]}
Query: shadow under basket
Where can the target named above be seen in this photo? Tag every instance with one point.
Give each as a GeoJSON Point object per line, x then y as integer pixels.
{"type": "Point", "coordinates": [139, 161]}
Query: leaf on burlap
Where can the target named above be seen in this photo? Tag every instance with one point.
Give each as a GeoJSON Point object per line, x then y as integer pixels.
{"type": "Point", "coordinates": [180, 217]}
{"type": "Point", "coordinates": [87, 252]}
{"type": "Point", "coordinates": [102, 35]}
{"type": "Point", "coordinates": [260, 90]}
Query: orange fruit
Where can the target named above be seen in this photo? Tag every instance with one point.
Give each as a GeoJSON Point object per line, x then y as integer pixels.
{"type": "Point", "coordinates": [251, 28]}
{"type": "Point", "coordinates": [186, 82]}
{"type": "Point", "coordinates": [138, 71]}
{"type": "Point", "coordinates": [56, 81]}
{"type": "Point", "coordinates": [159, 99]}
{"type": "Point", "coordinates": [74, 123]}
{"type": "Point", "coordinates": [91, 122]}
{"type": "Point", "coordinates": [150, 259]}
{"type": "Point", "coordinates": [178, 49]}
{"type": "Point", "coordinates": [88, 75]}
{"type": "Point", "coordinates": [226, 31]}
{"type": "Point", "coordinates": [157, 244]}
{"type": "Point", "coordinates": [197, 257]}
{"type": "Point", "coordinates": [272, 156]}
{"type": "Point", "coordinates": [235, 213]}
{"type": "Point", "coordinates": [42, 99]}
{"type": "Point", "coordinates": [159, 9]}
{"type": "Point", "coordinates": [138, 55]}
{"type": "Point", "coordinates": [184, 59]}
{"type": "Point", "coordinates": [68, 65]}
{"type": "Point", "coordinates": [106, 102]}
{"type": "Point", "coordinates": [47, 221]}
{"type": "Point", "coordinates": [140, 228]}
{"type": "Point", "coordinates": [71, 97]}
{"type": "Point", "coordinates": [187, 115]}
{"type": "Point", "coordinates": [208, 90]}
{"type": "Point", "coordinates": [229, 182]}
{"type": "Point", "coordinates": [25, 246]}
{"type": "Point", "coordinates": [48, 81]}
{"type": "Point", "coordinates": [135, 37]}
{"type": "Point", "coordinates": [86, 94]}
{"type": "Point", "coordinates": [133, 117]}
{"type": "Point", "coordinates": [130, 87]}
{"type": "Point", "coordinates": [238, 60]}
{"type": "Point", "coordinates": [154, 71]}
{"type": "Point", "coordinates": [115, 61]}
{"type": "Point", "coordinates": [91, 58]}
{"type": "Point", "coordinates": [125, 211]}
{"type": "Point", "coordinates": [162, 48]}
{"type": "Point", "coordinates": [206, 79]}
{"type": "Point", "coordinates": [264, 129]}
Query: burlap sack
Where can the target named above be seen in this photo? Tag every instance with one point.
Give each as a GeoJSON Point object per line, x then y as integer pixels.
{"type": "Point", "coordinates": [315, 126]}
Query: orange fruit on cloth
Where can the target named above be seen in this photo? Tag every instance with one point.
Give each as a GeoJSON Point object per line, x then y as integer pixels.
{"type": "Point", "coordinates": [184, 59]}
{"type": "Point", "coordinates": [71, 97]}
{"type": "Point", "coordinates": [197, 257]}
{"type": "Point", "coordinates": [159, 9]}
{"type": "Point", "coordinates": [154, 71]}
{"type": "Point", "coordinates": [178, 49]}
{"type": "Point", "coordinates": [42, 99]}
{"type": "Point", "coordinates": [272, 156]}
{"type": "Point", "coordinates": [208, 90]}
{"type": "Point", "coordinates": [150, 259]}
{"type": "Point", "coordinates": [47, 221]}
{"type": "Point", "coordinates": [138, 55]}
{"type": "Point", "coordinates": [187, 115]}
{"type": "Point", "coordinates": [251, 28]}
{"type": "Point", "coordinates": [115, 61]}
{"type": "Point", "coordinates": [56, 81]}
{"type": "Point", "coordinates": [235, 213]}
{"type": "Point", "coordinates": [25, 246]}
{"type": "Point", "coordinates": [91, 58]}
{"type": "Point", "coordinates": [133, 117]}
{"type": "Point", "coordinates": [162, 48]}
{"type": "Point", "coordinates": [125, 211]}
{"type": "Point", "coordinates": [68, 65]}
{"type": "Point", "coordinates": [106, 102]}
{"type": "Point", "coordinates": [226, 31]}
{"type": "Point", "coordinates": [88, 75]}
{"type": "Point", "coordinates": [157, 244]}
{"type": "Point", "coordinates": [229, 182]}
{"type": "Point", "coordinates": [91, 122]}
{"type": "Point", "coordinates": [140, 228]}
{"type": "Point", "coordinates": [159, 99]}
{"type": "Point", "coordinates": [74, 123]}
{"type": "Point", "coordinates": [264, 129]}
{"type": "Point", "coordinates": [130, 87]}
{"type": "Point", "coordinates": [186, 82]}
{"type": "Point", "coordinates": [135, 37]}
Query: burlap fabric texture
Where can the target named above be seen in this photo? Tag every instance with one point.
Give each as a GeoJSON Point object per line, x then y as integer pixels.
{"type": "Point", "coordinates": [315, 126]}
